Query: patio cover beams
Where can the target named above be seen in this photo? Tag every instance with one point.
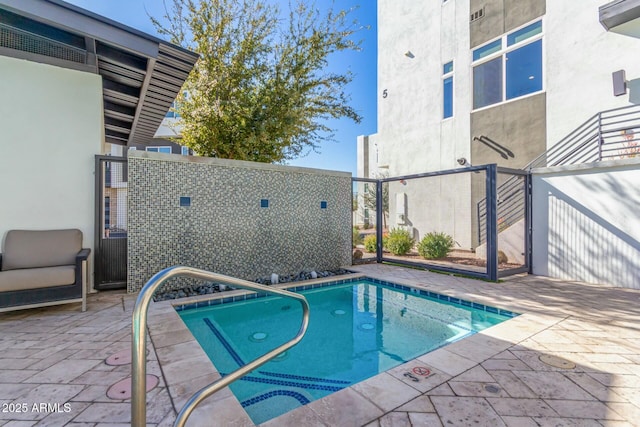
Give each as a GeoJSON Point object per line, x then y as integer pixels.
{"type": "Point", "coordinates": [141, 74]}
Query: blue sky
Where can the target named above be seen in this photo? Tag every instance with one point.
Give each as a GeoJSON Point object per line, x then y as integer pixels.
{"type": "Point", "coordinates": [340, 155]}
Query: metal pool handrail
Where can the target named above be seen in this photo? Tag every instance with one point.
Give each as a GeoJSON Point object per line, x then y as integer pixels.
{"type": "Point", "coordinates": [139, 342]}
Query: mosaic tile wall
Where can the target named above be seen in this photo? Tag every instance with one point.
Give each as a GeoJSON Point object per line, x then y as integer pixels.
{"type": "Point", "coordinates": [242, 219]}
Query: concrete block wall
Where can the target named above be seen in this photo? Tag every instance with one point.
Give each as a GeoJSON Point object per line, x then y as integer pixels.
{"type": "Point", "coordinates": [226, 229]}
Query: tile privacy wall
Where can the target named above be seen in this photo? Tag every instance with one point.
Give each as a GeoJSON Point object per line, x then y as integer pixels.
{"type": "Point", "coordinates": [226, 227]}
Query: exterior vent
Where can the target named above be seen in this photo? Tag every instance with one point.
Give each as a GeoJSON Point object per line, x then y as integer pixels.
{"type": "Point", "coordinates": [476, 15]}
{"type": "Point", "coordinates": [14, 38]}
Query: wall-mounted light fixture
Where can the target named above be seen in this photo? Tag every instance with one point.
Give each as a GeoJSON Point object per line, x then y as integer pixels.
{"type": "Point", "coordinates": [409, 54]}
{"type": "Point", "coordinates": [619, 83]}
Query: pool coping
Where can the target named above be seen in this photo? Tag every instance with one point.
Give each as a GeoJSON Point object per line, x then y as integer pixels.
{"type": "Point", "coordinates": [363, 402]}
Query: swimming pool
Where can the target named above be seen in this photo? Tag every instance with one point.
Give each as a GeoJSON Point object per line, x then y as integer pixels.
{"type": "Point", "coordinates": [357, 329]}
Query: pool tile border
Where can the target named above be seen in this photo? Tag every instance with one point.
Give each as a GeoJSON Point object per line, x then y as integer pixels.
{"type": "Point", "coordinates": [248, 295]}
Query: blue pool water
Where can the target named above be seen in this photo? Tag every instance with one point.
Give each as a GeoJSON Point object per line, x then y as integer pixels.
{"type": "Point", "coordinates": [356, 330]}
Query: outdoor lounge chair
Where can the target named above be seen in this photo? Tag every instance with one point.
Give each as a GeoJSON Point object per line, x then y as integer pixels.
{"type": "Point", "coordinates": [41, 268]}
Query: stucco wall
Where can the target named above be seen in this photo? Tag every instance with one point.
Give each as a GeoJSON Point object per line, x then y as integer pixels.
{"type": "Point", "coordinates": [225, 230]}
{"type": "Point", "coordinates": [52, 125]}
{"type": "Point", "coordinates": [585, 223]}
{"type": "Point", "coordinates": [580, 57]}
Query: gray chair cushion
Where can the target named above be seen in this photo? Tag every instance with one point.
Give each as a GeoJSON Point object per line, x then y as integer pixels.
{"type": "Point", "coordinates": [40, 248]}
{"type": "Point", "coordinates": [33, 278]}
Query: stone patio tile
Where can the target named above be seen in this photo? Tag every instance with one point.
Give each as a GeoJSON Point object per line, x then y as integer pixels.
{"type": "Point", "coordinates": [552, 385]}
{"type": "Point", "coordinates": [613, 368]}
{"type": "Point", "coordinates": [595, 388]}
{"type": "Point", "coordinates": [63, 372]}
{"type": "Point", "coordinates": [99, 354]}
{"type": "Point", "coordinates": [582, 409]}
{"type": "Point", "coordinates": [631, 394]}
{"type": "Point", "coordinates": [566, 422]}
{"type": "Point", "coordinates": [419, 404]}
{"type": "Point", "coordinates": [188, 369]}
{"type": "Point", "coordinates": [63, 418]}
{"type": "Point", "coordinates": [478, 348]}
{"type": "Point", "coordinates": [465, 411]}
{"type": "Point", "coordinates": [10, 352]}
{"type": "Point", "coordinates": [93, 393]}
{"type": "Point", "coordinates": [177, 352]}
{"type": "Point", "coordinates": [345, 408]}
{"type": "Point", "coordinates": [519, 421]}
{"type": "Point", "coordinates": [303, 416]}
{"type": "Point", "coordinates": [617, 380]}
{"type": "Point", "coordinates": [522, 407]}
{"type": "Point", "coordinates": [608, 348]}
{"type": "Point", "coordinates": [476, 389]}
{"type": "Point", "coordinates": [512, 384]}
{"type": "Point", "coordinates": [52, 359]}
{"type": "Point", "coordinates": [11, 392]}
{"type": "Point", "coordinates": [442, 390]}
{"type": "Point", "coordinates": [446, 361]}
{"type": "Point", "coordinates": [17, 363]}
{"type": "Point", "coordinates": [49, 351]}
{"type": "Point", "coordinates": [90, 345]}
{"type": "Point", "coordinates": [423, 419]}
{"type": "Point", "coordinates": [15, 375]}
{"type": "Point", "coordinates": [94, 377]}
{"type": "Point", "coordinates": [20, 423]}
{"type": "Point", "coordinates": [106, 412]}
{"type": "Point", "coordinates": [504, 355]}
{"type": "Point", "coordinates": [505, 365]}
{"type": "Point", "coordinates": [475, 374]}
{"type": "Point", "coordinates": [374, 423]}
{"type": "Point", "coordinates": [395, 419]}
{"type": "Point", "coordinates": [532, 359]}
{"type": "Point", "coordinates": [615, 423]}
{"type": "Point", "coordinates": [171, 338]}
{"type": "Point", "coordinates": [386, 391]}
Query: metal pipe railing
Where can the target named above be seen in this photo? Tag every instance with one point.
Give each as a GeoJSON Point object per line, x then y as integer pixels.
{"type": "Point", "coordinates": [139, 343]}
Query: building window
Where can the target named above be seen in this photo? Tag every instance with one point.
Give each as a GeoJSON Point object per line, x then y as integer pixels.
{"type": "Point", "coordinates": [447, 90]}
{"type": "Point", "coordinates": [184, 151]}
{"type": "Point", "coordinates": [159, 149]}
{"type": "Point", "coordinates": [172, 113]}
{"type": "Point", "coordinates": [509, 67]}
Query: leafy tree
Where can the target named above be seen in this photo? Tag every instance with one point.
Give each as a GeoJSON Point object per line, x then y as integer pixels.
{"type": "Point", "coordinates": [261, 90]}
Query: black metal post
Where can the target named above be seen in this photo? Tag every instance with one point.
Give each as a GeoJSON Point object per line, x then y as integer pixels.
{"type": "Point", "coordinates": [379, 213]}
{"type": "Point", "coordinates": [492, 221]}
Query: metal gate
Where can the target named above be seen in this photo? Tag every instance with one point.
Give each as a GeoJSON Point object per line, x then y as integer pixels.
{"type": "Point", "coordinates": [110, 256]}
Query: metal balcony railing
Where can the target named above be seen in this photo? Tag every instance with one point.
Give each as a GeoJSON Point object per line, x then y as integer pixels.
{"type": "Point", "coordinates": [607, 135]}
{"type": "Point", "coordinates": [139, 342]}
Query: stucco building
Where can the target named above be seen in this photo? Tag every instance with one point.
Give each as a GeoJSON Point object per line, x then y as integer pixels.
{"type": "Point", "coordinates": [484, 81]}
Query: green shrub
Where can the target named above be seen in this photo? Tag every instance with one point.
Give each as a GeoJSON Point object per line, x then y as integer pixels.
{"type": "Point", "coordinates": [399, 241]}
{"type": "Point", "coordinates": [370, 243]}
{"type": "Point", "coordinates": [356, 238]}
{"type": "Point", "coordinates": [435, 245]}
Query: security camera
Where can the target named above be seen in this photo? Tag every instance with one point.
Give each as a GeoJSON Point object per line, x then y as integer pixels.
{"type": "Point", "coordinates": [462, 161]}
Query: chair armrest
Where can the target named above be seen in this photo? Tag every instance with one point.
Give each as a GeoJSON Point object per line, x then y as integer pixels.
{"type": "Point", "coordinates": [83, 254]}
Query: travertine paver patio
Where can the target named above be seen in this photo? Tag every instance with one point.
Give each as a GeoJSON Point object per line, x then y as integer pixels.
{"type": "Point", "coordinates": [56, 356]}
